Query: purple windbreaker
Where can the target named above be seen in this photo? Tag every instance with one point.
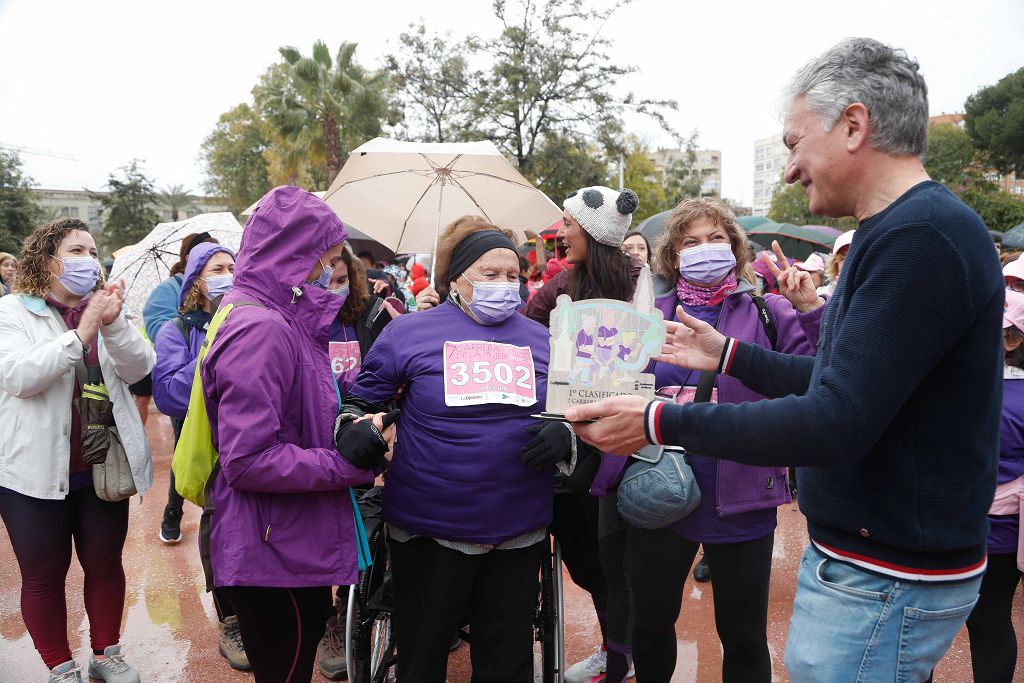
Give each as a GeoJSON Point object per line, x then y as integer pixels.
{"type": "Point", "coordinates": [742, 488]}
{"type": "Point", "coordinates": [283, 516]}
{"type": "Point", "coordinates": [175, 358]}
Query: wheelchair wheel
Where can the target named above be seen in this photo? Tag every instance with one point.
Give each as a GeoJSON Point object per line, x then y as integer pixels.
{"type": "Point", "coordinates": [549, 623]}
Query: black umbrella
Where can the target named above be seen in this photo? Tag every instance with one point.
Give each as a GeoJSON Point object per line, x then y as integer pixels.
{"type": "Point", "coordinates": [653, 226]}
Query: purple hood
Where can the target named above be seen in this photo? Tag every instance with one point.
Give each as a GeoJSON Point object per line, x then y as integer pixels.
{"type": "Point", "coordinates": [197, 260]}
{"type": "Point", "coordinates": [282, 512]}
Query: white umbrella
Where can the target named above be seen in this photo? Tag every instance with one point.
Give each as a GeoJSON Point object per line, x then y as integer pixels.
{"type": "Point", "coordinates": [402, 193]}
{"type": "Point", "coordinates": [148, 263]}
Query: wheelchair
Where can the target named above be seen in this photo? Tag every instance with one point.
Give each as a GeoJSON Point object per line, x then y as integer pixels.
{"type": "Point", "coordinates": [371, 654]}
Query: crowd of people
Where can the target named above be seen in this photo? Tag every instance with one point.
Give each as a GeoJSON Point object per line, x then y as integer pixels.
{"type": "Point", "coordinates": [321, 372]}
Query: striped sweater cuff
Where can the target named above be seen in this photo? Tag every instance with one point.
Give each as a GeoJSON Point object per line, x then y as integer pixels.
{"type": "Point", "coordinates": [728, 355]}
{"type": "Point", "coordinates": [652, 426]}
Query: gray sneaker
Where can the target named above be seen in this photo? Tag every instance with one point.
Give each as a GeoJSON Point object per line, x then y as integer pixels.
{"type": "Point", "coordinates": [330, 653]}
{"type": "Point", "coordinates": [112, 668]}
{"type": "Point", "coordinates": [231, 647]}
{"type": "Point", "coordinates": [68, 672]}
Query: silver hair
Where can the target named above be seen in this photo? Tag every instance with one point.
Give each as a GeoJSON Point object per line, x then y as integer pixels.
{"type": "Point", "coordinates": [884, 79]}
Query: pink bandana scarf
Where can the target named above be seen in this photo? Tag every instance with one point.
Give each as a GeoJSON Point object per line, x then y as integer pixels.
{"type": "Point", "coordinates": [695, 295]}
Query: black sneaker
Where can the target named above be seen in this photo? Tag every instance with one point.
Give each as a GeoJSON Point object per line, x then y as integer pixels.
{"type": "Point", "coordinates": [702, 572]}
{"type": "Point", "coordinates": [170, 528]}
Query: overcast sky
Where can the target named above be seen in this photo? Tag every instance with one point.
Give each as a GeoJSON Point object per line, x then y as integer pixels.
{"type": "Point", "coordinates": [107, 81]}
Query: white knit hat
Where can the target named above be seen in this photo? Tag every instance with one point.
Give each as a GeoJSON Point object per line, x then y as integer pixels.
{"type": "Point", "coordinates": [603, 212]}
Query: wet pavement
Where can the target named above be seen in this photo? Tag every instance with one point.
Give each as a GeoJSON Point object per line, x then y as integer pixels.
{"type": "Point", "coordinates": [170, 626]}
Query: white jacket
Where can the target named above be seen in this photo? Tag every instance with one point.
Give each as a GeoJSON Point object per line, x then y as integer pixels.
{"type": "Point", "coordinates": [37, 374]}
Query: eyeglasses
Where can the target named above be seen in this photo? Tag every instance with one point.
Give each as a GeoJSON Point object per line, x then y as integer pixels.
{"type": "Point", "coordinates": [1016, 285]}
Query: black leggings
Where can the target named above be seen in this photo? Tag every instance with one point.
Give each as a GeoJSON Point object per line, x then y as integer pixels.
{"type": "Point", "coordinates": [435, 587]}
{"type": "Point", "coordinates": [993, 641]}
{"type": "Point", "coordinates": [574, 526]}
{"type": "Point", "coordinates": [661, 562]}
{"type": "Point", "coordinates": [41, 532]}
{"type": "Point", "coordinates": [281, 628]}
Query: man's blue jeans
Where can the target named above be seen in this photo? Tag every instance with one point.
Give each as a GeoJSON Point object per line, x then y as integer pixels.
{"type": "Point", "coordinates": [851, 625]}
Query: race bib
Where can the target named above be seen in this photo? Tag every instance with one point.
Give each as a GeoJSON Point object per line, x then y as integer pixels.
{"type": "Point", "coordinates": [345, 362]}
{"type": "Point", "coordinates": [478, 372]}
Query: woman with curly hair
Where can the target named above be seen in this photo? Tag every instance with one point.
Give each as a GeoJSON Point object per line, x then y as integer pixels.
{"type": "Point", "coordinates": [62, 318]}
{"type": "Point", "coordinates": [703, 263]}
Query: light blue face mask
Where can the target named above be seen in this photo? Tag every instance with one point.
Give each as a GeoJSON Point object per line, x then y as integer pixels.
{"type": "Point", "coordinates": [80, 274]}
{"type": "Point", "coordinates": [325, 277]}
{"type": "Point", "coordinates": [494, 302]}
{"type": "Point", "coordinates": [341, 292]}
{"type": "Point", "coordinates": [218, 285]}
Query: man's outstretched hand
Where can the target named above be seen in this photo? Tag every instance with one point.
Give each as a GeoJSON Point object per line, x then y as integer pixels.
{"type": "Point", "coordinates": [619, 426]}
{"type": "Point", "coordinates": [691, 343]}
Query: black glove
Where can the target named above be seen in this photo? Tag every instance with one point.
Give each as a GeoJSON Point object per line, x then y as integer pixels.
{"type": "Point", "coordinates": [551, 444]}
{"type": "Point", "coordinates": [360, 442]}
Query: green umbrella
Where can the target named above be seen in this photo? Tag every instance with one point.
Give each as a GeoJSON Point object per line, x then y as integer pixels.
{"type": "Point", "coordinates": [797, 241]}
{"type": "Point", "coordinates": [748, 222]}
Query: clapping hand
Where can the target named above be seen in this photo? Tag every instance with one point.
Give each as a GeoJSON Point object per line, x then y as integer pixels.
{"type": "Point", "coordinates": [113, 302]}
{"type": "Point", "coordinates": [794, 284]}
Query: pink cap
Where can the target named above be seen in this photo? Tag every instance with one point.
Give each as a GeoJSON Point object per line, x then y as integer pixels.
{"type": "Point", "coordinates": [1013, 310]}
{"type": "Point", "coordinates": [813, 264]}
{"type": "Point", "coordinates": [843, 240]}
{"type": "Point", "coordinates": [1014, 269]}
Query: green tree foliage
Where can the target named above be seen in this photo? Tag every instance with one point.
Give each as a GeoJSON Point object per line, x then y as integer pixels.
{"type": "Point", "coordinates": [546, 74]}
{"type": "Point", "coordinates": [432, 82]}
{"type": "Point", "coordinates": [128, 207]}
{"type": "Point", "coordinates": [324, 104]}
{"type": "Point", "coordinates": [641, 176]}
{"type": "Point", "coordinates": [950, 154]}
{"type": "Point", "coordinates": [791, 205]}
{"type": "Point", "coordinates": [176, 198]}
{"type": "Point", "coordinates": [19, 214]}
{"type": "Point", "coordinates": [994, 117]}
{"type": "Point", "coordinates": [1000, 210]}
{"type": "Point", "coordinates": [563, 163]}
{"type": "Point", "coordinates": [236, 168]}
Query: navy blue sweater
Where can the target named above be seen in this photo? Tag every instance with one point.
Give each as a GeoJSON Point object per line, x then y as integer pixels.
{"type": "Point", "coordinates": [895, 422]}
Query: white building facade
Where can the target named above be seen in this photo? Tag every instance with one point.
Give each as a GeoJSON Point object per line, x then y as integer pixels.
{"type": "Point", "coordinates": [769, 164]}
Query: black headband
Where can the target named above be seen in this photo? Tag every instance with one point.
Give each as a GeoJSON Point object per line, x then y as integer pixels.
{"type": "Point", "coordinates": [473, 247]}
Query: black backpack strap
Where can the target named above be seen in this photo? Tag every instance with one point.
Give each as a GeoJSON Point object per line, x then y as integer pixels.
{"type": "Point", "coordinates": [179, 322]}
{"type": "Point", "coordinates": [704, 386]}
{"type": "Point", "coordinates": [766, 320]}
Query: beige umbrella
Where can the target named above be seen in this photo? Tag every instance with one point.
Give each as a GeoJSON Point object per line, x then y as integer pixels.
{"type": "Point", "coordinates": [402, 193]}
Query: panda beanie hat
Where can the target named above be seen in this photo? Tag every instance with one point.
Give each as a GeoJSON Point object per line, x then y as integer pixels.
{"type": "Point", "coordinates": [603, 212]}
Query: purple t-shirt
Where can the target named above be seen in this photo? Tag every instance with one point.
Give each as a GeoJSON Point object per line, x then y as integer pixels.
{"type": "Point", "coordinates": [705, 525]}
{"type": "Point", "coordinates": [1002, 538]}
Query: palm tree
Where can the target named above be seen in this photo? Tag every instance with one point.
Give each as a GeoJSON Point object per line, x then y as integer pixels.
{"type": "Point", "coordinates": [336, 97]}
{"type": "Point", "coordinates": [176, 197]}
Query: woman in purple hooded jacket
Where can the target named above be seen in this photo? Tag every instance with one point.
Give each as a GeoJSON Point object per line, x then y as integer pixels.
{"type": "Point", "coordinates": [208, 276]}
{"type": "Point", "coordinates": [703, 260]}
{"type": "Point", "coordinates": [282, 528]}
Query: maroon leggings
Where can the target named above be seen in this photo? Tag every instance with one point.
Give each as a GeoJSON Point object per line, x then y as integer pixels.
{"type": "Point", "coordinates": [41, 533]}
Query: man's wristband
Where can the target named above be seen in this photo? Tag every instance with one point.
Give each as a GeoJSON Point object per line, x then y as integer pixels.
{"type": "Point", "coordinates": [728, 355]}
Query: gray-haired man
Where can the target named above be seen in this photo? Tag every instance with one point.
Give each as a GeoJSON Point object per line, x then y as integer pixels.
{"type": "Point", "coordinates": [894, 423]}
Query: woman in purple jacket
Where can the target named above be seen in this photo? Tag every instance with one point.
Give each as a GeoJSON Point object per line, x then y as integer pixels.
{"type": "Point", "coordinates": [282, 528]}
{"type": "Point", "coordinates": [208, 276]}
{"type": "Point", "coordinates": [468, 495]}
{"type": "Point", "coordinates": [704, 264]}
{"type": "Point", "coordinates": [993, 641]}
